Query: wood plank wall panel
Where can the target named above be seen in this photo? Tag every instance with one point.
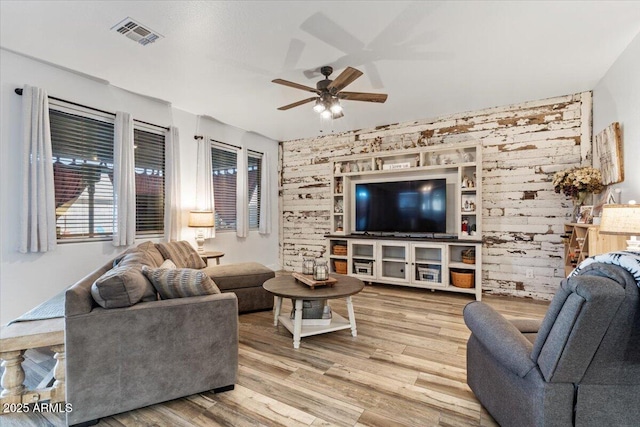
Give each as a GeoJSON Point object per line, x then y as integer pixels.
{"type": "Point", "coordinates": [523, 146]}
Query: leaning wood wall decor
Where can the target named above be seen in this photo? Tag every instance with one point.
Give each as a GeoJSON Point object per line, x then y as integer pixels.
{"type": "Point", "coordinates": [607, 154]}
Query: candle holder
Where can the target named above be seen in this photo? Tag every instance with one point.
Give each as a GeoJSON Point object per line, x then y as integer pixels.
{"type": "Point", "coordinates": [308, 266]}
{"type": "Point", "coordinates": [321, 270]}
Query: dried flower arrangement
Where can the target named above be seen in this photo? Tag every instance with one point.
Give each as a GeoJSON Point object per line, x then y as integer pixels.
{"type": "Point", "coordinates": [578, 182]}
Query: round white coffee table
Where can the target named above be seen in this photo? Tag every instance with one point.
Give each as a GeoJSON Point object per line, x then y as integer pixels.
{"type": "Point", "coordinates": [288, 287]}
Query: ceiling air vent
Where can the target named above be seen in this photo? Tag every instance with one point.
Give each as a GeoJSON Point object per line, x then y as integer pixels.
{"type": "Point", "coordinates": [136, 32]}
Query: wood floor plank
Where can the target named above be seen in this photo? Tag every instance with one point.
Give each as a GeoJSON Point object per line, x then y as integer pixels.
{"type": "Point", "coordinates": [322, 405]}
{"type": "Point", "coordinates": [265, 409]}
{"type": "Point", "coordinates": [457, 359]}
{"type": "Point", "coordinates": [422, 365]}
{"type": "Point", "coordinates": [406, 367]}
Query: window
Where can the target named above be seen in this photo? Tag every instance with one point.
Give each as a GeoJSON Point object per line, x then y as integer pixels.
{"type": "Point", "coordinates": [254, 163]}
{"type": "Point", "coordinates": [82, 150]}
{"type": "Point", "coordinates": [149, 167]}
{"type": "Point", "coordinates": [224, 162]}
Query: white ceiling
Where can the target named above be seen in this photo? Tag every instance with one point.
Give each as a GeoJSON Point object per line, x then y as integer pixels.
{"type": "Point", "coordinates": [432, 58]}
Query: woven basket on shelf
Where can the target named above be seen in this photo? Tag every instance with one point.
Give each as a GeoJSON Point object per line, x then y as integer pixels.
{"type": "Point", "coordinates": [469, 256]}
{"type": "Point", "coordinates": [340, 266]}
{"type": "Point", "coordinates": [462, 278]}
{"type": "Point", "coordinates": [339, 250]}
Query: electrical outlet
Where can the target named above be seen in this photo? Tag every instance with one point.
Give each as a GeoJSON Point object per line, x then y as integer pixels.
{"type": "Point", "coordinates": [529, 273]}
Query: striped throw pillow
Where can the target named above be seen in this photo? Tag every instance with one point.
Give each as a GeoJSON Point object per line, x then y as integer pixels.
{"type": "Point", "coordinates": [180, 282]}
{"type": "Point", "coordinates": [182, 254]}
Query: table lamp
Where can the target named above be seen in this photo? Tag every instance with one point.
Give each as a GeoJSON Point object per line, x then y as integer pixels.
{"type": "Point", "coordinates": [201, 220]}
{"type": "Point", "coordinates": [624, 220]}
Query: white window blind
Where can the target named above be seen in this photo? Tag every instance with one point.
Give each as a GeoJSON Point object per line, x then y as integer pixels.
{"type": "Point", "coordinates": [224, 165]}
{"type": "Point", "coordinates": [254, 166]}
{"type": "Point", "coordinates": [149, 168]}
{"type": "Point", "coordinates": [82, 150]}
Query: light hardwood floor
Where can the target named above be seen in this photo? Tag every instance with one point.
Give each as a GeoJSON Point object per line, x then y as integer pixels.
{"type": "Point", "coordinates": [406, 367]}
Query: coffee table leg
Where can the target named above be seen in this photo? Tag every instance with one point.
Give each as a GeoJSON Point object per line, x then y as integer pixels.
{"type": "Point", "coordinates": [297, 323]}
{"type": "Point", "coordinates": [277, 306]}
{"type": "Point", "coordinates": [352, 317]}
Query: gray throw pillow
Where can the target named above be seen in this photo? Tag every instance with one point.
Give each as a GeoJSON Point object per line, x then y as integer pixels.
{"type": "Point", "coordinates": [122, 286]}
{"type": "Point", "coordinates": [180, 282]}
{"type": "Point", "coordinates": [182, 254]}
{"type": "Point", "coordinates": [138, 259]}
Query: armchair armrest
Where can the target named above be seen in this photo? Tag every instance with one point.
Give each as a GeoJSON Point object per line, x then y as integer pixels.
{"type": "Point", "coordinates": [500, 337]}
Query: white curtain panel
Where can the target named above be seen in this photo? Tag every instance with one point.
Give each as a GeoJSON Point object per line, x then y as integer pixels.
{"type": "Point", "coordinates": [172, 209]}
{"type": "Point", "coordinates": [205, 200]}
{"type": "Point", "coordinates": [38, 214]}
{"type": "Point", "coordinates": [242, 196]}
{"type": "Point", "coordinates": [265, 197]}
{"type": "Point", "coordinates": [124, 182]}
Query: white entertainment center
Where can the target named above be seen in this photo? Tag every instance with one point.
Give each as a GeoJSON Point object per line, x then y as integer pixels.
{"type": "Point", "coordinates": [450, 260]}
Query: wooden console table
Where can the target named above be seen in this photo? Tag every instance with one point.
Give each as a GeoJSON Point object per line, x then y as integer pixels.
{"type": "Point", "coordinates": [584, 240]}
{"type": "Point", "coordinates": [15, 339]}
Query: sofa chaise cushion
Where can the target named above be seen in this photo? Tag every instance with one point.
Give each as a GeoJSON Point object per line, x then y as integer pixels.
{"type": "Point", "coordinates": [239, 275]}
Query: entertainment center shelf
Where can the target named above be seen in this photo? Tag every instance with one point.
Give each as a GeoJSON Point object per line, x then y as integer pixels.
{"type": "Point", "coordinates": [460, 165]}
{"type": "Point", "coordinates": [403, 199]}
{"type": "Point", "coordinates": [416, 262]}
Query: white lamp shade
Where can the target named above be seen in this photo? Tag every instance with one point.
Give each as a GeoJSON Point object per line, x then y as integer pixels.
{"type": "Point", "coordinates": [201, 219]}
{"type": "Point", "coordinates": [620, 219]}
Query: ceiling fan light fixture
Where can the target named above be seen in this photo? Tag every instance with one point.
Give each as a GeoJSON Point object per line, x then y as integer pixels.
{"type": "Point", "coordinates": [335, 108]}
{"type": "Point", "coordinates": [319, 107]}
{"type": "Point", "coordinates": [329, 92]}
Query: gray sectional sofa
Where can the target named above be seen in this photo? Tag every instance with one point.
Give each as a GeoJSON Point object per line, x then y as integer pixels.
{"type": "Point", "coordinates": [119, 359]}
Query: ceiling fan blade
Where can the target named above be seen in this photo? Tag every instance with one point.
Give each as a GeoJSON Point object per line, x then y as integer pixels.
{"type": "Point", "coordinates": [293, 54]}
{"type": "Point", "coordinates": [362, 96]}
{"type": "Point", "coordinates": [344, 79]}
{"type": "Point", "coordinates": [403, 25]}
{"type": "Point", "coordinates": [294, 85]}
{"type": "Point", "coordinates": [323, 28]}
{"type": "Point", "coordinates": [374, 75]}
{"type": "Point", "coordinates": [295, 104]}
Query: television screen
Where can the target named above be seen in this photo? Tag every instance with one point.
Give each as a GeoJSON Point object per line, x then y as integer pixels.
{"type": "Point", "coordinates": [402, 206]}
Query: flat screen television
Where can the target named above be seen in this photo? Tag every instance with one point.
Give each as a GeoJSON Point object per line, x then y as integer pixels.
{"type": "Point", "coordinates": [402, 206]}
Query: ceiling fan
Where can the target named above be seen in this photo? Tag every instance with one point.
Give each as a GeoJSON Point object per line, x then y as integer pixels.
{"type": "Point", "coordinates": [329, 93]}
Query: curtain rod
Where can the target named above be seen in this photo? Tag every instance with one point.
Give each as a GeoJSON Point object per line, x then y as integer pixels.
{"type": "Point", "coordinates": [217, 142]}
{"type": "Point", "coordinates": [19, 92]}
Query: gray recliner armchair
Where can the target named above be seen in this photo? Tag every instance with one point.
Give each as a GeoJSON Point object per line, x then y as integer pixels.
{"type": "Point", "coordinates": [579, 366]}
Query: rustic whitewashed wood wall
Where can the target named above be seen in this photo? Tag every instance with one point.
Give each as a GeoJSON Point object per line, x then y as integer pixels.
{"type": "Point", "coordinates": [523, 146]}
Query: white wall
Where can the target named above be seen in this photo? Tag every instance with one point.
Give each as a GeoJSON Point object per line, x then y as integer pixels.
{"type": "Point", "coordinates": [616, 98]}
{"type": "Point", "coordinates": [27, 280]}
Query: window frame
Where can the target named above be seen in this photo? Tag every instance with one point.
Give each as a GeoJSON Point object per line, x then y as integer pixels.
{"type": "Point", "coordinates": [153, 130]}
{"type": "Point", "coordinates": [89, 113]}
{"type": "Point", "coordinates": [216, 145]}
{"type": "Point", "coordinates": [259, 156]}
